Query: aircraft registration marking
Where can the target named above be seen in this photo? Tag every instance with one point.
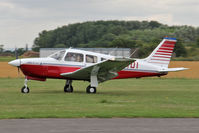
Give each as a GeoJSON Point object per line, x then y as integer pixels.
{"type": "Point", "coordinates": [133, 65]}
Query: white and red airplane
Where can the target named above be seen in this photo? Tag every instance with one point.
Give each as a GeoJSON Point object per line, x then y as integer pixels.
{"type": "Point", "coordinates": [72, 64]}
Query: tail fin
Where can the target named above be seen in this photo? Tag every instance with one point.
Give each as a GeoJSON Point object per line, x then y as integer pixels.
{"type": "Point", "coordinates": [161, 55]}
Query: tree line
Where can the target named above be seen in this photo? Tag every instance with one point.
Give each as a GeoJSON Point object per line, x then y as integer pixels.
{"type": "Point", "coordinates": [144, 35]}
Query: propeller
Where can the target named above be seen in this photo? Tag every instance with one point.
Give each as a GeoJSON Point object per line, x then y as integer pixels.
{"type": "Point", "coordinates": [16, 56]}
{"type": "Point", "coordinates": [16, 53]}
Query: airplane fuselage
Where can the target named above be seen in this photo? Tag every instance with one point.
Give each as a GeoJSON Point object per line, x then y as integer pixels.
{"type": "Point", "coordinates": [42, 68]}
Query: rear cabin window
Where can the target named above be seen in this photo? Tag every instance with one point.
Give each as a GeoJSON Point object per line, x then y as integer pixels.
{"type": "Point", "coordinates": [75, 57]}
{"type": "Point", "coordinates": [91, 59]}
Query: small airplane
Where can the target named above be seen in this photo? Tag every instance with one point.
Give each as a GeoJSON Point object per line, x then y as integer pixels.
{"type": "Point", "coordinates": [72, 64]}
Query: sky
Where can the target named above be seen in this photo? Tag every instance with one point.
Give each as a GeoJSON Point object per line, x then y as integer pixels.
{"type": "Point", "coordinates": [22, 20]}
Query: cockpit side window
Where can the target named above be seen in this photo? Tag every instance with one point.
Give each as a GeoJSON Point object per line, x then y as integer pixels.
{"type": "Point", "coordinates": [91, 59]}
{"type": "Point", "coordinates": [75, 57]}
{"type": "Point", "coordinates": [59, 55]}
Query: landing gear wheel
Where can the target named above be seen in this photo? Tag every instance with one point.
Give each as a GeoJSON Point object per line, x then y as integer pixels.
{"type": "Point", "coordinates": [25, 89]}
{"type": "Point", "coordinates": [68, 88]}
{"type": "Point", "coordinates": [90, 89]}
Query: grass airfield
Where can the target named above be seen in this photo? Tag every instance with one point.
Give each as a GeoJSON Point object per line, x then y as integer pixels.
{"type": "Point", "coordinates": [147, 97]}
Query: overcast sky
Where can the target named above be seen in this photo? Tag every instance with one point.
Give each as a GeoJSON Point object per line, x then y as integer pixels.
{"type": "Point", "coordinates": [22, 20]}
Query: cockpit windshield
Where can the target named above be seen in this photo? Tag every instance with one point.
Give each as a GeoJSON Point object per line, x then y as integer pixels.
{"type": "Point", "coordinates": [58, 55]}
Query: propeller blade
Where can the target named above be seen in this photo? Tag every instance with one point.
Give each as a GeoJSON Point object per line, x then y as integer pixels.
{"type": "Point", "coordinates": [16, 53]}
{"type": "Point", "coordinates": [18, 70]}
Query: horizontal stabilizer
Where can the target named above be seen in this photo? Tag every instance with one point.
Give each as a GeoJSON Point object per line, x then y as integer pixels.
{"type": "Point", "coordinates": [173, 69]}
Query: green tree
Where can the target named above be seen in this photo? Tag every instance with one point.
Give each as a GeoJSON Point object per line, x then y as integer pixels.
{"type": "Point", "coordinates": [1, 48]}
{"type": "Point", "coordinates": [21, 51]}
{"type": "Point", "coordinates": [131, 34]}
{"type": "Point", "coordinates": [197, 42]}
{"type": "Point", "coordinates": [59, 46]}
{"type": "Point", "coordinates": [180, 49]}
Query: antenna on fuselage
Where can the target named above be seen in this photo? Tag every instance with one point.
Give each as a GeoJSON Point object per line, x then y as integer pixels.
{"type": "Point", "coordinates": [133, 53]}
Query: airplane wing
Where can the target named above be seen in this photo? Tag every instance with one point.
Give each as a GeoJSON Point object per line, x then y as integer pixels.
{"type": "Point", "coordinates": [104, 70]}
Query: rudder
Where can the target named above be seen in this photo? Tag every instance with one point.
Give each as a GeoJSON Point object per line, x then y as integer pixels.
{"type": "Point", "coordinates": [161, 55]}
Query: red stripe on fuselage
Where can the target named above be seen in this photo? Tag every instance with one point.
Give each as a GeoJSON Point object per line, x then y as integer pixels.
{"type": "Point", "coordinates": [136, 74]}
{"type": "Point", "coordinates": [52, 71]}
{"type": "Point", "coordinates": [46, 71]}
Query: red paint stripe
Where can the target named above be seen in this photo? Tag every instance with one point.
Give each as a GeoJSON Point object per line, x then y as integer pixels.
{"type": "Point", "coordinates": [167, 48]}
{"type": "Point", "coordinates": [164, 51]}
{"type": "Point", "coordinates": [170, 42]}
{"type": "Point", "coordinates": [162, 54]}
{"type": "Point", "coordinates": [168, 45]}
{"type": "Point", "coordinates": [135, 74]}
{"type": "Point", "coordinates": [160, 59]}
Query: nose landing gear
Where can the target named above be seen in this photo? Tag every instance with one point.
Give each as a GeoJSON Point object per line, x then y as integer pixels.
{"type": "Point", "coordinates": [25, 88]}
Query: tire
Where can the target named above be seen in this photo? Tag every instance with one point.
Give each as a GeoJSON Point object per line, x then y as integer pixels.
{"type": "Point", "coordinates": [91, 90]}
{"type": "Point", "coordinates": [68, 88]}
{"type": "Point", "coordinates": [25, 90]}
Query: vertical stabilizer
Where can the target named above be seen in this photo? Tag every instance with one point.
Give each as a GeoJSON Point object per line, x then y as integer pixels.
{"type": "Point", "coordinates": [161, 55]}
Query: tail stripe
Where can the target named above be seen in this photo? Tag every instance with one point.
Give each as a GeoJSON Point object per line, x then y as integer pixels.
{"type": "Point", "coordinates": [162, 54]}
{"type": "Point", "coordinates": [160, 59]}
{"type": "Point", "coordinates": [158, 62]}
{"type": "Point", "coordinates": [166, 48]}
{"type": "Point", "coordinates": [164, 51]}
{"type": "Point", "coordinates": [168, 45]}
{"type": "Point", "coordinates": [170, 42]}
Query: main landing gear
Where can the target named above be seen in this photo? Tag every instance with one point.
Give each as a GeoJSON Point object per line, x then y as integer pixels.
{"type": "Point", "coordinates": [68, 86]}
{"type": "Point", "coordinates": [25, 88]}
{"type": "Point", "coordinates": [90, 89]}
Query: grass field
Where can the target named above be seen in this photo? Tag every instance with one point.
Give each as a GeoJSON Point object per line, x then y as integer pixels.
{"type": "Point", "coordinates": [117, 98]}
{"type": "Point", "coordinates": [6, 58]}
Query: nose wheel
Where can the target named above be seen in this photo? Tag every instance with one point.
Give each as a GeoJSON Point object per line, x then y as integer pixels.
{"type": "Point", "coordinates": [68, 87]}
{"type": "Point", "coordinates": [25, 88]}
{"type": "Point", "coordinates": [90, 89]}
